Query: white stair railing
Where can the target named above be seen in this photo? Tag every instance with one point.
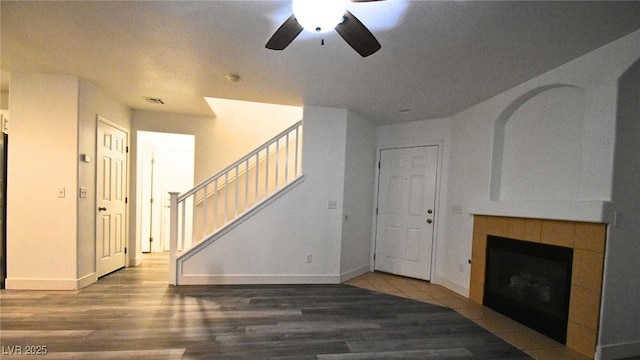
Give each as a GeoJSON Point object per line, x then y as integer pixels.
{"type": "Point", "coordinates": [200, 212]}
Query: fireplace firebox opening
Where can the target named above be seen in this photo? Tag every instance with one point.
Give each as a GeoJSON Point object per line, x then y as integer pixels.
{"type": "Point", "coordinates": [530, 283]}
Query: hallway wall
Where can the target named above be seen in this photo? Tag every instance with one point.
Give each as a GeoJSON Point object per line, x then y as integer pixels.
{"type": "Point", "coordinates": [41, 224]}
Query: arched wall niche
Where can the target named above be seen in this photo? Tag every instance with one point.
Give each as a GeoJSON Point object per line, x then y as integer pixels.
{"type": "Point", "coordinates": [538, 145]}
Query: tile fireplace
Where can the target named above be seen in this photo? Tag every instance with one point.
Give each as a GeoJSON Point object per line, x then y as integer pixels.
{"type": "Point", "coordinates": [580, 243]}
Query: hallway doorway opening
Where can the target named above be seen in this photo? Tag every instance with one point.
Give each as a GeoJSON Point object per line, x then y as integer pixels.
{"type": "Point", "coordinates": [165, 163]}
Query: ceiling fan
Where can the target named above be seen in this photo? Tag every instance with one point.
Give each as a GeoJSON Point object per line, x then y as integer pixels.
{"type": "Point", "coordinates": [322, 16]}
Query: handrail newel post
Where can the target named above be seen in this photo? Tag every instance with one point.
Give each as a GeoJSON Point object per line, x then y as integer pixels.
{"type": "Point", "coordinates": [173, 237]}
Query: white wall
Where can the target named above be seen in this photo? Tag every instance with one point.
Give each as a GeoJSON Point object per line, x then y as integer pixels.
{"type": "Point", "coordinates": [542, 140]}
{"type": "Point", "coordinates": [471, 159]}
{"type": "Point", "coordinates": [4, 101]}
{"type": "Point", "coordinates": [620, 322]}
{"type": "Point", "coordinates": [202, 127]}
{"type": "Point", "coordinates": [237, 128]}
{"type": "Point", "coordinates": [272, 245]}
{"type": "Point", "coordinates": [93, 102]}
{"type": "Point", "coordinates": [199, 126]}
{"type": "Point", "coordinates": [425, 133]}
{"type": "Point", "coordinates": [241, 126]}
{"type": "Point", "coordinates": [54, 120]}
{"type": "Point", "coordinates": [358, 197]}
{"type": "Point", "coordinates": [41, 226]}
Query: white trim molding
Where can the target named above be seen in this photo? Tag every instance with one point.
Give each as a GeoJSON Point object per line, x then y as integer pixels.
{"type": "Point", "coordinates": [439, 280]}
{"type": "Point", "coordinates": [51, 284]}
{"type": "Point", "coordinates": [348, 275]}
{"type": "Point", "coordinates": [588, 211]}
{"type": "Point", "coordinates": [618, 351]}
{"type": "Point", "coordinates": [258, 279]}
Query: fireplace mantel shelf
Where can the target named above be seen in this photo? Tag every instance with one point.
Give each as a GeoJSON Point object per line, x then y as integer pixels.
{"type": "Point", "coordinates": [584, 211]}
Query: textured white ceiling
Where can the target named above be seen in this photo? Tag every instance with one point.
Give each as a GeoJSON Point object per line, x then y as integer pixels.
{"type": "Point", "coordinates": [437, 57]}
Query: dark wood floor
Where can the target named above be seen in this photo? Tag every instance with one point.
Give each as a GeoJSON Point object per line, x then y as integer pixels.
{"type": "Point", "coordinates": [133, 314]}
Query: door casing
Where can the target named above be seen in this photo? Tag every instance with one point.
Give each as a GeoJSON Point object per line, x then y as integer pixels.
{"type": "Point", "coordinates": [436, 217]}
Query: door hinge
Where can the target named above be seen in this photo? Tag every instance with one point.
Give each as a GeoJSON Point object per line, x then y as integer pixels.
{"type": "Point", "coordinates": [125, 250]}
{"type": "Point", "coordinates": [378, 164]}
{"type": "Point", "coordinates": [4, 124]}
{"type": "Point", "coordinates": [126, 200]}
{"type": "Point", "coordinates": [127, 149]}
{"type": "Point", "coordinates": [376, 211]}
{"type": "Point", "coordinates": [374, 256]}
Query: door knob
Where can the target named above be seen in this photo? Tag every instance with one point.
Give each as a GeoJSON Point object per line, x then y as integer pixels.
{"type": "Point", "coordinates": [429, 221]}
{"type": "Point", "coordinates": [102, 208]}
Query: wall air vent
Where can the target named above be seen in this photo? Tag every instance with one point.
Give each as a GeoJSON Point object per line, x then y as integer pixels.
{"type": "Point", "coordinates": [155, 100]}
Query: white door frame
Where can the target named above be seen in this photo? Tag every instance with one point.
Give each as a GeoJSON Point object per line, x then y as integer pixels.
{"type": "Point", "coordinates": [436, 218]}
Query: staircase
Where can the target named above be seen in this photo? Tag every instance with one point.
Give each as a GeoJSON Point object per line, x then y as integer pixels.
{"type": "Point", "coordinates": [201, 215]}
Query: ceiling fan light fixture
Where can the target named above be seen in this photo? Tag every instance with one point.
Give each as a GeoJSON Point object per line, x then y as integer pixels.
{"type": "Point", "coordinates": [319, 15]}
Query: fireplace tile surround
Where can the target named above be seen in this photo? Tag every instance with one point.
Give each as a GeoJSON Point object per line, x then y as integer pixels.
{"type": "Point", "coordinates": [588, 242]}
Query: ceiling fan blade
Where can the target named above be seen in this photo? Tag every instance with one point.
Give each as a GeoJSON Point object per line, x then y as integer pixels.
{"type": "Point", "coordinates": [365, 0]}
{"type": "Point", "coordinates": [285, 34]}
{"type": "Point", "coordinates": [357, 35]}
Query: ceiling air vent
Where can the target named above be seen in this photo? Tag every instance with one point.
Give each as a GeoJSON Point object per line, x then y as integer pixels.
{"type": "Point", "coordinates": [155, 100]}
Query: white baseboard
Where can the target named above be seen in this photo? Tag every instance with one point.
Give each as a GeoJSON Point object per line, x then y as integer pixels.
{"type": "Point", "coordinates": [257, 279]}
{"type": "Point", "coordinates": [133, 262]}
{"type": "Point", "coordinates": [618, 351]}
{"type": "Point", "coordinates": [355, 273]}
{"type": "Point", "coordinates": [464, 291]}
{"type": "Point", "coordinates": [86, 280]}
{"type": "Point", "coordinates": [50, 284]}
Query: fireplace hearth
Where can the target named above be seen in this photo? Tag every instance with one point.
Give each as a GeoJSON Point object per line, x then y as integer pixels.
{"type": "Point", "coordinates": [529, 282]}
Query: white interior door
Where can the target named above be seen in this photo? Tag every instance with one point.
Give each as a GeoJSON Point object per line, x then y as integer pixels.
{"type": "Point", "coordinates": [146, 178]}
{"type": "Point", "coordinates": [111, 192]}
{"type": "Point", "coordinates": [406, 211]}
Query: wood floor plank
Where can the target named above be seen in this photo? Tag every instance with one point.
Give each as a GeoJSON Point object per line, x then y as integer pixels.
{"type": "Point", "coordinates": [134, 314]}
{"type": "Point", "coordinates": [402, 355]}
{"type": "Point", "coordinates": [167, 354]}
